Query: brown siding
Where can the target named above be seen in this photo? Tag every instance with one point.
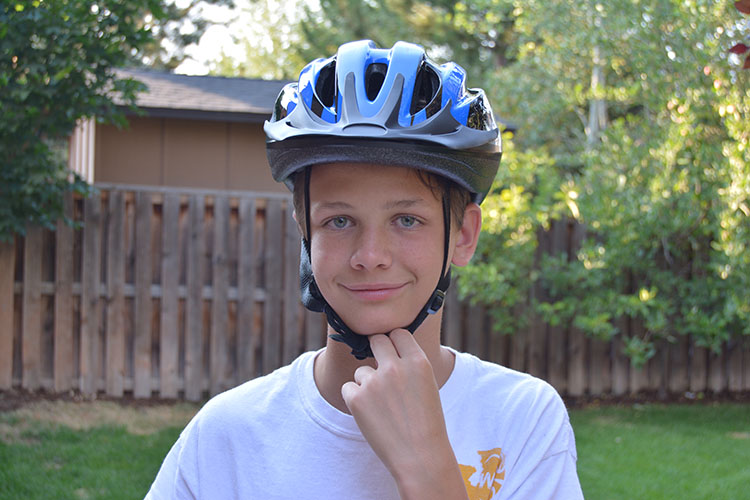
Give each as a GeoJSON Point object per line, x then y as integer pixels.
{"type": "Point", "coordinates": [248, 167]}
{"type": "Point", "coordinates": [195, 154]}
{"type": "Point", "coordinates": [129, 156]}
{"type": "Point", "coordinates": [185, 153]}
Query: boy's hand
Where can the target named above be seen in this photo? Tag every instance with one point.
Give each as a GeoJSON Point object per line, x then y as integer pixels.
{"type": "Point", "coordinates": [397, 408]}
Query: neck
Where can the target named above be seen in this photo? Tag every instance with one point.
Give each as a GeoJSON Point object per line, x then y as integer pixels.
{"type": "Point", "coordinates": [335, 365]}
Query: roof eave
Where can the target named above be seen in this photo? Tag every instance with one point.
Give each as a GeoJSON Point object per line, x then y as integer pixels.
{"type": "Point", "coordinates": [198, 114]}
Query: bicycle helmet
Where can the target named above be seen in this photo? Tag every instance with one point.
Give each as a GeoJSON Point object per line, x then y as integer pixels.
{"type": "Point", "coordinates": [382, 106]}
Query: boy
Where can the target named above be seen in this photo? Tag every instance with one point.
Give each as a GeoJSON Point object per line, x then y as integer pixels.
{"type": "Point", "coordinates": [388, 156]}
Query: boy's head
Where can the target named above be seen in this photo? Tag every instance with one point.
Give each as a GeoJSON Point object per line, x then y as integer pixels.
{"type": "Point", "coordinates": [383, 108]}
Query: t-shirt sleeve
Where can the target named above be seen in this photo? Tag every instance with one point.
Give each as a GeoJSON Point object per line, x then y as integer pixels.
{"type": "Point", "coordinates": [170, 483]}
{"type": "Point", "coordinates": [546, 466]}
{"type": "Point", "coordinates": [554, 477]}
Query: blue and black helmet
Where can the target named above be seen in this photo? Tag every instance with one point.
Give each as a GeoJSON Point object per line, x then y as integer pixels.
{"type": "Point", "coordinates": [387, 106]}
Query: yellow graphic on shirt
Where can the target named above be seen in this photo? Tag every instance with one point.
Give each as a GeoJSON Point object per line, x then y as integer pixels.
{"type": "Point", "coordinates": [484, 482]}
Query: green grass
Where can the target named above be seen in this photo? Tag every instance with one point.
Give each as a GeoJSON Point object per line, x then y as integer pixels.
{"type": "Point", "coordinates": [635, 452]}
{"type": "Point", "coordinates": [664, 452]}
{"type": "Point", "coordinates": [101, 463]}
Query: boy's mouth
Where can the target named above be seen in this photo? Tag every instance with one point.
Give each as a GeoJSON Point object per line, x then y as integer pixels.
{"type": "Point", "coordinates": [374, 291]}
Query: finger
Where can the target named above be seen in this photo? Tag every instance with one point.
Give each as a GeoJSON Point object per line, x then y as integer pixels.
{"type": "Point", "coordinates": [348, 390]}
{"type": "Point", "coordinates": [405, 344]}
{"type": "Point", "coordinates": [362, 373]}
{"type": "Point", "coordinates": [382, 348]}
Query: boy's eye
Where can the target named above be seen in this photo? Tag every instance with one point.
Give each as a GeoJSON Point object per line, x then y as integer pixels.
{"type": "Point", "coordinates": [407, 220]}
{"type": "Point", "coordinates": [339, 222]}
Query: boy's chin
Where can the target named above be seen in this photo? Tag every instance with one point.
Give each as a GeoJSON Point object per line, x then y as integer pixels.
{"type": "Point", "coordinates": [375, 327]}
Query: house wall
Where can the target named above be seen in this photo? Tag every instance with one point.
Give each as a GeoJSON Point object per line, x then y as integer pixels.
{"type": "Point", "coordinates": [184, 153]}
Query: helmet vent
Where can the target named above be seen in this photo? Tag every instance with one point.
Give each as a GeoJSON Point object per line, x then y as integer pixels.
{"type": "Point", "coordinates": [426, 88]}
{"type": "Point", "coordinates": [374, 78]}
{"type": "Point", "coordinates": [325, 86]}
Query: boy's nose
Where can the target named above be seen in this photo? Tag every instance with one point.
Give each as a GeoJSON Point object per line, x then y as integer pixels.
{"type": "Point", "coordinates": [371, 250]}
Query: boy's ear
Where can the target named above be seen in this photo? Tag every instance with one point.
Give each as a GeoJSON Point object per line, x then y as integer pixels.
{"type": "Point", "coordinates": [468, 235]}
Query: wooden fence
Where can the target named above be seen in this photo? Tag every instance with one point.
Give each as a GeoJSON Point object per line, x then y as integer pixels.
{"type": "Point", "coordinates": [185, 293]}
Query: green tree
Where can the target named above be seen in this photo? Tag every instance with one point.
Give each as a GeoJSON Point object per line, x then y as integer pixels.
{"type": "Point", "coordinates": [58, 66]}
{"type": "Point", "coordinates": [634, 104]}
{"type": "Point", "coordinates": [175, 26]}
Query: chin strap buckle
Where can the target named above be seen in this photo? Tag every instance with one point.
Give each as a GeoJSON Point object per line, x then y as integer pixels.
{"type": "Point", "coordinates": [436, 301]}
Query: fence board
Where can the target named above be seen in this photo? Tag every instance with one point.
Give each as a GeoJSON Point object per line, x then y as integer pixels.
{"type": "Point", "coordinates": [678, 365]}
{"type": "Point", "coordinates": [638, 375]}
{"type": "Point", "coordinates": [219, 309]}
{"type": "Point", "coordinates": [292, 331]}
{"type": "Point", "coordinates": [62, 330]}
{"type": "Point", "coordinates": [90, 303]}
{"type": "Point", "coordinates": [315, 330]}
{"type": "Point", "coordinates": [716, 376]}
{"type": "Point", "coordinates": [557, 335]}
{"type": "Point", "coordinates": [143, 307]}
{"type": "Point", "coordinates": [518, 343]}
{"type": "Point", "coordinates": [734, 368]}
{"type": "Point", "coordinates": [169, 348]}
{"type": "Point", "coordinates": [475, 330]}
{"type": "Point", "coordinates": [273, 277]}
{"type": "Point", "coordinates": [537, 347]}
{"type": "Point", "coordinates": [451, 331]}
{"type": "Point", "coordinates": [7, 272]}
{"type": "Point", "coordinates": [194, 305]}
{"type": "Point", "coordinates": [576, 351]}
{"type": "Point", "coordinates": [599, 376]}
{"type": "Point", "coordinates": [620, 362]}
{"type": "Point", "coordinates": [498, 345]}
{"type": "Point", "coordinates": [698, 369]}
{"type": "Point", "coordinates": [115, 335]}
{"type": "Point", "coordinates": [247, 336]}
{"type": "Point", "coordinates": [31, 349]}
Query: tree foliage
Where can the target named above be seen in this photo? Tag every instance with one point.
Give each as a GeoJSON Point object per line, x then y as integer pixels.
{"type": "Point", "coordinates": [632, 121]}
{"type": "Point", "coordinates": [58, 66]}
{"type": "Point", "coordinates": [174, 27]}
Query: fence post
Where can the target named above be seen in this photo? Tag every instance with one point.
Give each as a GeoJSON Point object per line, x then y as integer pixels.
{"type": "Point", "coordinates": [273, 278]}
{"type": "Point", "coordinates": [292, 331]}
{"type": "Point", "coordinates": [31, 340]}
{"type": "Point", "coordinates": [63, 327]}
{"type": "Point", "coordinates": [7, 308]}
{"type": "Point", "coordinates": [194, 305]}
{"type": "Point", "coordinates": [220, 286]}
{"type": "Point", "coordinates": [90, 280]}
{"type": "Point", "coordinates": [115, 335]}
{"type": "Point", "coordinates": [142, 347]}
{"type": "Point", "coordinates": [247, 334]}
{"type": "Point", "coordinates": [170, 273]}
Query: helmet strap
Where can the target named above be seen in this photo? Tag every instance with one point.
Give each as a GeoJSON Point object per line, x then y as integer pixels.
{"type": "Point", "coordinates": [314, 300]}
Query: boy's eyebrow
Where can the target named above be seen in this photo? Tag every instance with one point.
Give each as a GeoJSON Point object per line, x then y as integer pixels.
{"type": "Point", "coordinates": [341, 205]}
{"type": "Point", "coordinates": [403, 203]}
{"type": "Point", "coordinates": [332, 205]}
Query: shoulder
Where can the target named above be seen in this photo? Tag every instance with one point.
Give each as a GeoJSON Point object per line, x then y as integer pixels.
{"type": "Point", "coordinates": [523, 401]}
{"type": "Point", "coordinates": [254, 400]}
{"type": "Point", "coordinates": [504, 381]}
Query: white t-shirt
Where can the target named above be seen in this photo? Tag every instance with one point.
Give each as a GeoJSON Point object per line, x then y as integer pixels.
{"type": "Point", "coordinates": [275, 437]}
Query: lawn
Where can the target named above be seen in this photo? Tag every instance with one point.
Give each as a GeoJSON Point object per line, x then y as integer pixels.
{"type": "Point", "coordinates": [98, 450]}
{"type": "Point", "coordinates": [66, 450]}
{"type": "Point", "coordinates": [664, 452]}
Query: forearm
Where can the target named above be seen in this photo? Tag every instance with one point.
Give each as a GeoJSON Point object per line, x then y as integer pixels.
{"type": "Point", "coordinates": [438, 477]}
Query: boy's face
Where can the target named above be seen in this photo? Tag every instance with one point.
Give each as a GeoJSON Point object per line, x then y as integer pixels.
{"type": "Point", "coordinates": [377, 243]}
